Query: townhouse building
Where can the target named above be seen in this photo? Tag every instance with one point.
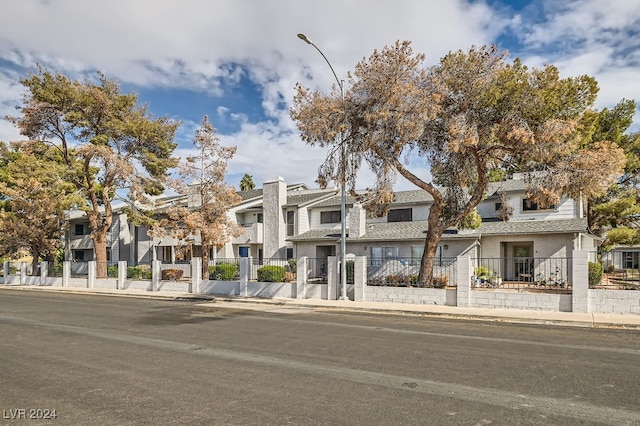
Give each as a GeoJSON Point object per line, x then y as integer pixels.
{"type": "Point", "coordinates": [291, 221]}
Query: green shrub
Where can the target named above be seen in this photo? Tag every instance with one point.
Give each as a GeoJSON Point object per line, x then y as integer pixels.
{"type": "Point", "coordinates": [482, 272]}
{"type": "Point", "coordinates": [223, 272]}
{"type": "Point", "coordinates": [139, 272]}
{"type": "Point", "coordinates": [112, 271]}
{"type": "Point", "coordinates": [293, 265]}
{"type": "Point", "coordinates": [272, 273]}
{"type": "Point", "coordinates": [595, 273]}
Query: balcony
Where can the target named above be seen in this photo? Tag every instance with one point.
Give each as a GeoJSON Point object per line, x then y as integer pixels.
{"type": "Point", "coordinates": [253, 233]}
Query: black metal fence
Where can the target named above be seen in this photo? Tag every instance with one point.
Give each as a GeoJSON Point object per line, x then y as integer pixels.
{"type": "Point", "coordinates": [317, 269]}
{"type": "Point", "coordinates": [522, 273]}
{"type": "Point", "coordinates": [273, 270]}
{"type": "Point", "coordinates": [404, 272]}
{"type": "Point", "coordinates": [615, 279]}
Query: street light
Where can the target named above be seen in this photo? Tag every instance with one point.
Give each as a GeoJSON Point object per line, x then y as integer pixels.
{"type": "Point", "coordinates": [343, 198]}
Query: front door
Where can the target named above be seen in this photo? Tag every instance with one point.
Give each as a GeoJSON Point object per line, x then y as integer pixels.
{"type": "Point", "coordinates": [523, 261]}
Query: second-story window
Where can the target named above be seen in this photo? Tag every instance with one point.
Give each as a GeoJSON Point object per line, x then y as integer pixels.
{"type": "Point", "coordinates": [79, 229]}
{"type": "Point", "coordinates": [290, 223]}
{"type": "Point", "coordinates": [330, 217]}
{"type": "Point", "coordinates": [530, 206]}
{"type": "Point", "coordinates": [399, 215]}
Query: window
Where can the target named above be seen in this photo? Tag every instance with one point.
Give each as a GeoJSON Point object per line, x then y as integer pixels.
{"type": "Point", "coordinates": [418, 251]}
{"type": "Point", "coordinates": [380, 254]}
{"type": "Point", "coordinates": [166, 253]}
{"type": "Point", "coordinates": [260, 217]}
{"type": "Point", "coordinates": [79, 229]}
{"type": "Point", "coordinates": [399, 215]}
{"type": "Point", "coordinates": [416, 254]}
{"type": "Point", "coordinates": [330, 217]}
{"type": "Point", "coordinates": [630, 259]}
{"type": "Point", "coordinates": [78, 255]}
{"type": "Point", "coordinates": [290, 222]}
{"type": "Point", "coordinates": [528, 205]}
{"type": "Point", "coordinates": [289, 252]}
{"type": "Point", "coordinates": [498, 206]}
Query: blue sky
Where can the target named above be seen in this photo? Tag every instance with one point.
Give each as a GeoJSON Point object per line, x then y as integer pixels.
{"type": "Point", "coordinates": [237, 61]}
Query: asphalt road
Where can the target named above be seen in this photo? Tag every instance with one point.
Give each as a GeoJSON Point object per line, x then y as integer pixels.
{"type": "Point", "coordinates": [116, 360]}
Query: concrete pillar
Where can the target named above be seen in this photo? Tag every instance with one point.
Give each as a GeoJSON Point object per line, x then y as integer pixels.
{"type": "Point", "coordinates": [155, 275]}
{"type": "Point", "coordinates": [301, 277]}
{"type": "Point", "coordinates": [122, 274]}
{"type": "Point", "coordinates": [23, 273]}
{"type": "Point", "coordinates": [66, 273]}
{"type": "Point", "coordinates": [196, 274]}
{"type": "Point", "coordinates": [360, 278]}
{"type": "Point", "coordinates": [44, 272]}
{"type": "Point", "coordinates": [245, 266]}
{"type": "Point", "coordinates": [464, 273]}
{"type": "Point", "coordinates": [91, 277]}
{"type": "Point", "coordinates": [580, 281]}
{"type": "Point", "coordinates": [332, 278]}
{"type": "Point", "coordinates": [5, 268]}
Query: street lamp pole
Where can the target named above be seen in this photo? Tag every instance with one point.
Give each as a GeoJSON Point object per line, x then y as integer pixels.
{"type": "Point", "coordinates": [343, 197]}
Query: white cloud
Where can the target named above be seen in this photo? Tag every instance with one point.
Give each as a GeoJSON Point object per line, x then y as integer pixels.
{"type": "Point", "coordinates": [204, 46]}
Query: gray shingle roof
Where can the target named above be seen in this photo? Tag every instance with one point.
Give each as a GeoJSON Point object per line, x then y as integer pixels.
{"type": "Point", "coordinates": [395, 231]}
{"type": "Point", "coordinates": [294, 199]}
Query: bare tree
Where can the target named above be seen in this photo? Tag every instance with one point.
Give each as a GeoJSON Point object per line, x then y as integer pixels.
{"type": "Point", "coordinates": [202, 177]}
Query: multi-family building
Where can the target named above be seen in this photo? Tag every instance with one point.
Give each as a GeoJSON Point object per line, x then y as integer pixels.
{"type": "Point", "coordinates": [290, 221]}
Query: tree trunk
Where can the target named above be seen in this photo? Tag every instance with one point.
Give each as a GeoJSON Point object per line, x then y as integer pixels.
{"type": "Point", "coordinates": [205, 260]}
{"type": "Point", "coordinates": [434, 234]}
{"type": "Point", "coordinates": [99, 238]}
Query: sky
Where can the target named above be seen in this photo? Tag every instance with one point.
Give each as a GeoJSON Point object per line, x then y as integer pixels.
{"type": "Point", "coordinates": [237, 61]}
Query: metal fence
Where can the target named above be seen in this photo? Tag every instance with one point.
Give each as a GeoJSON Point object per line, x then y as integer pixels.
{"type": "Point", "coordinates": [317, 268]}
{"type": "Point", "coordinates": [224, 269]}
{"type": "Point", "coordinates": [522, 273]}
{"type": "Point", "coordinates": [275, 270]}
{"type": "Point", "coordinates": [174, 271]}
{"type": "Point", "coordinates": [54, 269]}
{"type": "Point", "coordinates": [616, 279]}
{"type": "Point", "coordinates": [403, 272]}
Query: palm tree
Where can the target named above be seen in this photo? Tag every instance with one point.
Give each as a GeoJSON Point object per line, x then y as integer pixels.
{"type": "Point", "coordinates": [246, 184]}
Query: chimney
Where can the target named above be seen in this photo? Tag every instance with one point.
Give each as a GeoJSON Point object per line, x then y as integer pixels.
{"type": "Point", "coordinates": [357, 220]}
{"type": "Point", "coordinates": [274, 197]}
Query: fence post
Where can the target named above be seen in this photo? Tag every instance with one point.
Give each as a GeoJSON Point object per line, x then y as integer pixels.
{"type": "Point", "coordinates": [44, 272]}
{"type": "Point", "coordinates": [463, 296]}
{"type": "Point", "coordinates": [5, 274]}
{"type": "Point", "coordinates": [122, 274]}
{"type": "Point", "coordinates": [359, 278]}
{"type": "Point", "coordinates": [245, 264]}
{"type": "Point", "coordinates": [580, 281]}
{"type": "Point", "coordinates": [91, 273]}
{"type": "Point", "coordinates": [23, 273]}
{"type": "Point", "coordinates": [301, 277]}
{"type": "Point", "coordinates": [155, 275]}
{"type": "Point", "coordinates": [66, 273]}
{"type": "Point", "coordinates": [196, 274]}
{"type": "Point", "coordinates": [332, 278]}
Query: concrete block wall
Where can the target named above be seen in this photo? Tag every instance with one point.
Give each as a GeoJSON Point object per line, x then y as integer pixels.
{"type": "Point", "coordinates": [615, 301]}
{"type": "Point", "coordinates": [532, 301]}
{"type": "Point", "coordinates": [413, 295]}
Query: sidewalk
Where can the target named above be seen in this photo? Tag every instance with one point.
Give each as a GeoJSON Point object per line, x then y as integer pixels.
{"type": "Point", "coordinates": [502, 315]}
